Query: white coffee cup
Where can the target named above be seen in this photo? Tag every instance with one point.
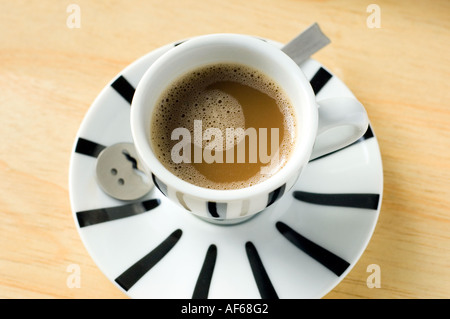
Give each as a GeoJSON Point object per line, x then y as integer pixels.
{"type": "Point", "coordinates": [343, 120]}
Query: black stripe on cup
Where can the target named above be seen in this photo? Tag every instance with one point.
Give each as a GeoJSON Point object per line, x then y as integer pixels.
{"type": "Point", "coordinates": [102, 215]}
{"type": "Point", "coordinates": [160, 185]}
{"type": "Point", "coordinates": [124, 88]}
{"type": "Point", "coordinates": [265, 287]}
{"type": "Point", "coordinates": [334, 263]}
{"type": "Point", "coordinates": [367, 135]}
{"type": "Point", "coordinates": [89, 148]}
{"type": "Point", "coordinates": [201, 289]}
{"type": "Point", "coordinates": [366, 200]}
{"type": "Point", "coordinates": [133, 274]}
{"type": "Point", "coordinates": [217, 210]}
{"type": "Point", "coordinates": [320, 78]}
{"type": "Point", "coordinates": [275, 195]}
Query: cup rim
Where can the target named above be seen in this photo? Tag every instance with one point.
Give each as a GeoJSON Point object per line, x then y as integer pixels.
{"type": "Point", "coordinates": [306, 133]}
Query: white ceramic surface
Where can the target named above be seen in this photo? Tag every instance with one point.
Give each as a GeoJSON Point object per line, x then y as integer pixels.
{"type": "Point", "coordinates": [231, 206]}
{"type": "Point", "coordinates": [152, 248]}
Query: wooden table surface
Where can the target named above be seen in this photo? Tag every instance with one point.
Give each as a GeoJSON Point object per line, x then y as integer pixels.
{"type": "Point", "coordinates": [51, 73]}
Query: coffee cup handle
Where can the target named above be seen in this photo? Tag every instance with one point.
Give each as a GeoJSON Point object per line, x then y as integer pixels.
{"type": "Point", "coordinates": [342, 121]}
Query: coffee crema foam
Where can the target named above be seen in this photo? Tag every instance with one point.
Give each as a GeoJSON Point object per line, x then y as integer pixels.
{"type": "Point", "coordinates": [214, 95]}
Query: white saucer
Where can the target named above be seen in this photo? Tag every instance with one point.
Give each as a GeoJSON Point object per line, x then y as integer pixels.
{"type": "Point", "coordinates": [300, 247]}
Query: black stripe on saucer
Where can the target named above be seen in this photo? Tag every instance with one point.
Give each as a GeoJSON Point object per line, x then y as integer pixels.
{"type": "Point", "coordinates": [368, 201]}
{"type": "Point", "coordinates": [367, 135]}
{"type": "Point", "coordinates": [319, 80]}
{"type": "Point", "coordinates": [334, 263]}
{"type": "Point", "coordinates": [178, 43]}
{"type": "Point", "coordinates": [133, 274]}
{"type": "Point", "coordinates": [89, 148]}
{"type": "Point", "coordinates": [101, 215]}
{"type": "Point", "coordinates": [124, 88]}
{"type": "Point", "coordinates": [265, 287]}
{"type": "Point", "coordinates": [201, 289]}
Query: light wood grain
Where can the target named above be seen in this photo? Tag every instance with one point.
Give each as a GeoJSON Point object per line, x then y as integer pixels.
{"type": "Point", "coordinates": [50, 74]}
